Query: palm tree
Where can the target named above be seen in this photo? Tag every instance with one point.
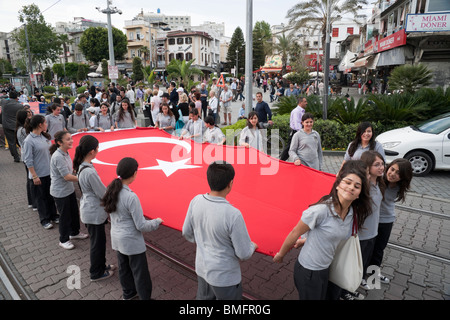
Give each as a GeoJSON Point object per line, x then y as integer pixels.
{"type": "Point", "coordinates": [312, 14]}
{"type": "Point", "coordinates": [182, 70]}
{"type": "Point", "coordinates": [282, 47]}
{"type": "Point", "coordinates": [64, 40]}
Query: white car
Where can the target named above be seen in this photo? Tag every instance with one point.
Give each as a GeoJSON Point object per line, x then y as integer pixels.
{"type": "Point", "coordinates": [426, 146]}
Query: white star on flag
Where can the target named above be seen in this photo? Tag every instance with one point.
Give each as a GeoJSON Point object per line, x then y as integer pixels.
{"type": "Point", "coordinates": [170, 168]}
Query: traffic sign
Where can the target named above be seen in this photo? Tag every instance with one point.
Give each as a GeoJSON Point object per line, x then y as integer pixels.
{"type": "Point", "coordinates": [221, 82]}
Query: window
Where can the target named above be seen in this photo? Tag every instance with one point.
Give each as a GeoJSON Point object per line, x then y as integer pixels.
{"type": "Point", "coordinates": [438, 5]}
{"type": "Point", "coordinates": [188, 40]}
{"type": "Point", "coordinates": [180, 40]}
{"type": "Point", "coordinates": [188, 56]}
{"type": "Point", "coordinates": [171, 57]}
{"type": "Point", "coordinates": [131, 35]}
{"type": "Point", "coordinates": [180, 56]}
{"type": "Point", "coordinates": [335, 32]}
{"type": "Point", "coordinates": [350, 30]}
{"type": "Point", "coordinates": [171, 41]}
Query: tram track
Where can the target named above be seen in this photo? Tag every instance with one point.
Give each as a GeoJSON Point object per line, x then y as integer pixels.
{"type": "Point", "coordinates": [10, 283]}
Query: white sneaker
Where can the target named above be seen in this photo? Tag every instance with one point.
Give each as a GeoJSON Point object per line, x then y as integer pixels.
{"type": "Point", "coordinates": [67, 245]}
{"type": "Point", "coordinates": [79, 236]}
{"type": "Point", "coordinates": [383, 279]}
{"type": "Point", "coordinates": [364, 285]}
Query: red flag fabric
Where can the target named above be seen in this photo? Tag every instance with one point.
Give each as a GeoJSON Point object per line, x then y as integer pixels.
{"type": "Point", "coordinates": [271, 194]}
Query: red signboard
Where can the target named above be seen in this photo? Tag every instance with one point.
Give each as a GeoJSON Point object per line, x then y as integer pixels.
{"type": "Point", "coordinates": [394, 40]}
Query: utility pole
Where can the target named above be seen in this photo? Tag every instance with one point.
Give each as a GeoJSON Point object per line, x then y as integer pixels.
{"type": "Point", "coordinates": [326, 72]}
{"type": "Point", "coordinates": [237, 63]}
{"type": "Point", "coordinates": [109, 11]}
{"type": "Point", "coordinates": [249, 60]}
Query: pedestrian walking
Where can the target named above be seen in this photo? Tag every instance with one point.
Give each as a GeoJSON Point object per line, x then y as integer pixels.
{"type": "Point", "coordinates": [295, 123]}
{"type": "Point", "coordinates": [327, 223]}
{"type": "Point", "coordinates": [37, 159]}
{"type": "Point", "coordinates": [9, 111]}
{"type": "Point", "coordinates": [91, 212]}
{"type": "Point", "coordinates": [63, 191]}
{"type": "Point", "coordinates": [127, 225]}
{"type": "Point", "coordinates": [221, 237]}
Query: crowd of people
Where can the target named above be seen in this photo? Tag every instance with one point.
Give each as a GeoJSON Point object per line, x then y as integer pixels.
{"type": "Point", "coordinates": [365, 189]}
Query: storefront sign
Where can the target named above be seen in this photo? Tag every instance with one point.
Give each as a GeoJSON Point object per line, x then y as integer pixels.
{"type": "Point", "coordinates": [428, 22]}
{"type": "Point", "coordinates": [394, 40]}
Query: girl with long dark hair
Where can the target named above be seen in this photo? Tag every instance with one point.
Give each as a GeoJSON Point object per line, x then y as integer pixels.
{"type": "Point", "coordinates": [23, 118]}
{"type": "Point", "coordinates": [364, 140]}
{"type": "Point", "coordinates": [251, 135]}
{"type": "Point", "coordinates": [37, 159]}
{"type": "Point", "coordinates": [125, 116]}
{"type": "Point", "coordinates": [127, 225]}
{"type": "Point", "coordinates": [328, 222]}
{"type": "Point", "coordinates": [63, 190]}
{"type": "Point", "coordinates": [91, 212]}
{"type": "Point", "coordinates": [397, 178]}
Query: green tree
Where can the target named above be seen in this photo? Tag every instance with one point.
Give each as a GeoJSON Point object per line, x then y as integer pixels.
{"type": "Point", "coordinates": [409, 78]}
{"type": "Point", "coordinates": [44, 42]}
{"type": "Point", "coordinates": [237, 43]}
{"type": "Point", "coordinates": [183, 70]}
{"type": "Point", "coordinates": [313, 13]}
{"type": "Point", "coordinates": [105, 68]}
{"type": "Point", "coordinates": [47, 74]}
{"type": "Point", "coordinates": [137, 69]}
{"type": "Point", "coordinates": [261, 36]}
{"type": "Point", "coordinates": [82, 72]}
{"type": "Point", "coordinates": [99, 37]}
{"type": "Point", "coordinates": [5, 67]}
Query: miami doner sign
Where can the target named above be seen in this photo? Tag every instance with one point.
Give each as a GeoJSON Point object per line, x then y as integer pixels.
{"type": "Point", "coordinates": [428, 22]}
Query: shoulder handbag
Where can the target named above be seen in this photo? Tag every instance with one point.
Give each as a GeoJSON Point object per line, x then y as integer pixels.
{"type": "Point", "coordinates": [346, 270]}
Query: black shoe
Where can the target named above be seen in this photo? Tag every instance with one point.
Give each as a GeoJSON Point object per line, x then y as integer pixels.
{"type": "Point", "coordinates": [16, 160]}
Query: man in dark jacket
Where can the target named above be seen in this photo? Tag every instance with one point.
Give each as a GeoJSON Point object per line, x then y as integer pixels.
{"type": "Point", "coordinates": [9, 112]}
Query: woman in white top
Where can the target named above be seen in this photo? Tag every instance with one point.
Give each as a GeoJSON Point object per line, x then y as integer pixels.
{"type": "Point", "coordinates": [213, 134]}
{"type": "Point", "coordinates": [213, 104]}
{"type": "Point", "coordinates": [155, 103]}
{"type": "Point", "coordinates": [251, 135]}
{"type": "Point", "coordinates": [328, 222]}
{"type": "Point", "coordinates": [165, 119]}
{"type": "Point", "coordinates": [195, 128]}
{"type": "Point", "coordinates": [130, 95]}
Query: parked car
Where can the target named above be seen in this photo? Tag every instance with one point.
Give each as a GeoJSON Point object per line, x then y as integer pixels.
{"type": "Point", "coordinates": [426, 146]}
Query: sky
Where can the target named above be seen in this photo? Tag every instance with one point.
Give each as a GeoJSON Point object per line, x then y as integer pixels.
{"type": "Point", "coordinates": [231, 12]}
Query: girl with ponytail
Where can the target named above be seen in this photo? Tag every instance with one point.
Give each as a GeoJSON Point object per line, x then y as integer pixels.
{"type": "Point", "coordinates": [36, 157]}
{"type": "Point", "coordinates": [63, 190]}
{"type": "Point", "coordinates": [92, 214]}
{"type": "Point", "coordinates": [127, 225]}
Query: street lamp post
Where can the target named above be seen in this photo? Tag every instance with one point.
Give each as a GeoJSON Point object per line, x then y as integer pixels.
{"type": "Point", "coordinates": [249, 60]}
{"type": "Point", "coordinates": [237, 63]}
{"type": "Point", "coordinates": [109, 11]}
{"type": "Point", "coordinates": [326, 62]}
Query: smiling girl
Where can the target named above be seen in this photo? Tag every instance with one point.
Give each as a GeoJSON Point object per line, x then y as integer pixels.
{"type": "Point", "coordinates": [124, 118]}
{"type": "Point", "coordinates": [328, 222]}
{"type": "Point", "coordinates": [306, 147]}
{"type": "Point", "coordinates": [251, 135]}
{"type": "Point", "coordinates": [397, 177]}
{"type": "Point", "coordinates": [63, 190]}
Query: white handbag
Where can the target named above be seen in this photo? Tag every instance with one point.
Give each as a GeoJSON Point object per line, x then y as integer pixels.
{"type": "Point", "coordinates": [346, 270]}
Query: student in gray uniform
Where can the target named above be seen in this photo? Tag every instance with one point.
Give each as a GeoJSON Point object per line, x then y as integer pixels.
{"type": "Point", "coordinates": [251, 135]}
{"type": "Point", "coordinates": [364, 141]}
{"type": "Point", "coordinates": [55, 120]}
{"type": "Point", "coordinates": [124, 118]}
{"type": "Point", "coordinates": [397, 177]}
{"type": "Point", "coordinates": [37, 159]}
{"type": "Point", "coordinates": [78, 121]}
{"type": "Point", "coordinates": [194, 128]}
{"type": "Point", "coordinates": [219, 232]}
{"type": "Point", "coordinates": [165, 120]}
{"type": "Point", "coordinates": [91, 212]}
{"type": "Point", "coordinates": [63, 190]}
{"type": "Point", "coordinates": [328, 222]}
{"type": "Point", "coordinates": [306, 147]}
{"type": "Point", "coordinates": [104, 121]}
{"type": "Point", "coordinates": [127, 225]}
{"type": "Point", "coordinates": [213, 134]}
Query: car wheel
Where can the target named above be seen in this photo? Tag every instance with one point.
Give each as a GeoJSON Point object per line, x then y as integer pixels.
{"type": "Point", "coordinates": [421, 163]}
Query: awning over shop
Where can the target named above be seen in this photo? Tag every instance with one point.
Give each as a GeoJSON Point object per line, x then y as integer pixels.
{"type": "Point", "coordinates": [362, 62]}
{"type": "Point", "coordinates": [269, 70]}
{"type": "Point", "coordinates": [373, 61]}
{"type": "Point", "coordinates": [392, 57]}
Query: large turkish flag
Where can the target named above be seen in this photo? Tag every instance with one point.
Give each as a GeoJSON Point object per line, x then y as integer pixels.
{"type": "Point", "coordinates": [271, 194]}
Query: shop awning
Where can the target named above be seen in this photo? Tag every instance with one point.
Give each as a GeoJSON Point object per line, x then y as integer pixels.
{"type": "Point", "coordinates": [362, 62]}
{"type": "Point", "coordinates": [346, 61]}
{"type": "Point", "coordinates": [392, 57]}
{"type": "Point", "coordinates": [268, 70]}
{"type": "Point", "coordinates": [372, 64]}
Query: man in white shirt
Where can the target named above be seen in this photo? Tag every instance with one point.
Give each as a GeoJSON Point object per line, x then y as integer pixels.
{"type": "Point", "coordinates": [225, 98]}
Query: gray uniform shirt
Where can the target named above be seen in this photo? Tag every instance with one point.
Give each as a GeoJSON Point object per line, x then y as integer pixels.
{"type": "Point", "coordinates": [359, 151]}
{"type": "Point", "coordinates": [104, 122]}
{"type": "Point", "coordinates": [77, 122]}
{"type": "Point", "coordinates": [93, 190]}
{"type": "Point", "coordinates": [255, 138]}
{"type": "Point", "coordinates": [61, 166]}
{"type": "Point", "coordinates": [369, 229]}
{"type": "Point", "coordinates": [214, 135]}
{"type": "Point", "coordinates": [126, 122]}
{"type": "Point", "coordinates": [195, 128]}
{"type": "Point", "coordinates": [55, 124]}
{"type": "Point", "coordinates": [166, 121]}
{"type": "Point", "coordinates": [387, 208]}
{"type": "Point", "coordinates": [327, 231]}
{"type": "Point", "coordinates": [128, 223]}
{"type": "Point", "coordinates": [308, 148]}
{"type": "Point", "coordinates": [36, 155]}
{"type": "Point", "coordinates": [222, 239]}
